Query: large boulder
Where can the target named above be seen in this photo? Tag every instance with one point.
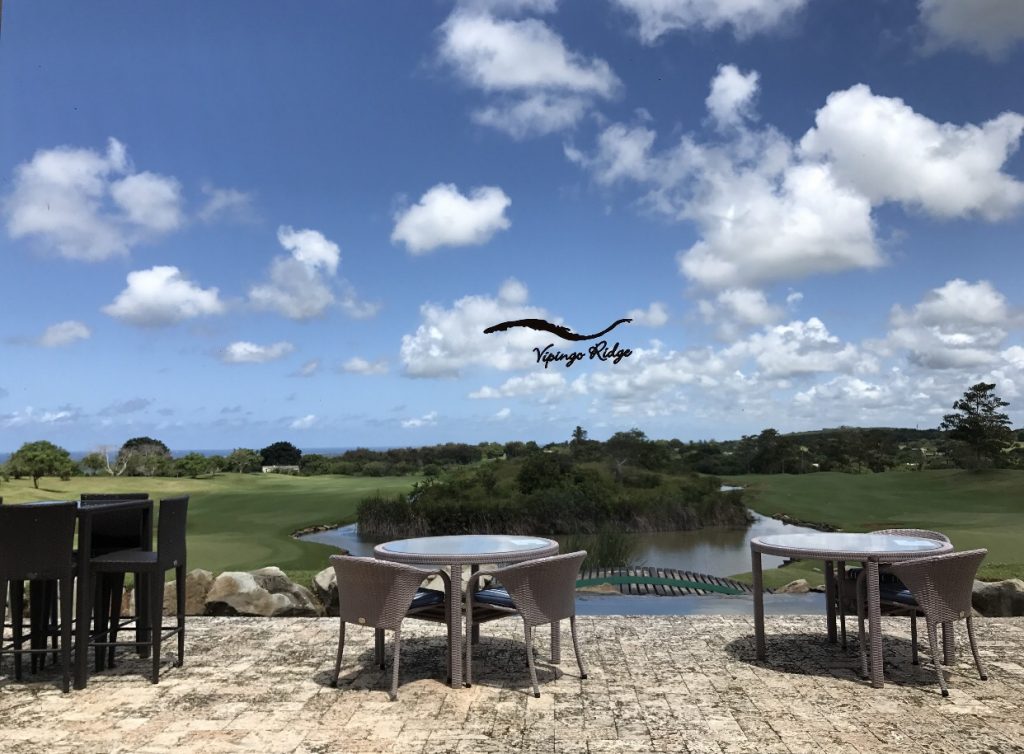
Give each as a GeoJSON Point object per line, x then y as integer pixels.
{"type": "Point", "coordinates": [800, 586]}
{"type": "Point", "coordinates": [197, 586]}
{"type": "Point", "coordinates": [265, 592]}
{"type": "Point", "coordinates": [325, 587]}
{"type": "Point", "coordinates": [999, 598]}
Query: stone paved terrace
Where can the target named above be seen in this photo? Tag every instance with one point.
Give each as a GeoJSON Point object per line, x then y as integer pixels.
{"type": "Point", "coordinates": [657, 684]}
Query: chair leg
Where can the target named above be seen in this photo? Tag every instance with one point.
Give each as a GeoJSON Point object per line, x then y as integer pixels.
{"type": "Point", "coordinates": [576, 648]}
{"type": "Point", "coordinates": [17, 620]}
{"type": "Point", "coordinates": [974, 650]}
{"type": "Point", "coordinates": [913, 639]}
{"type": "Point", "coordinates": [933, 641]}
{"type": "Point", "coordinates": [467, 671]}
{"type": "Point", "coordinates": [179, 590]}
{"type": "Point", "coordinates": [52, 620]}
{"type": "Point", "coordinates": [3, 614]}
{"type": "Point", "coordinates": [36, 621]}
{"type": "Point", "coordinates": [341, 649]}
{"type": "Point", "coordinates": [860, 627]}
{"type": "Point", "coordinates": [529, 660]}
{"type": "Point", "coordinates": [948, 648]}
{"type": "Point", "coordinates": [66, 591]}
{"type": "Point", "coordinates": [840, 582]}
{"type": "Point", "coordinates": [142, 588]}
{"type": "Point", "coordinates": [394, 665]}
{"type": "Point", "coordinates": [101, 617]}
{"type": "Point", "coordinates": [116, 589]}
{"type": "Point", "coordinates": [156, 610]}
{"type": "Point", "coordinates": [378, 647]}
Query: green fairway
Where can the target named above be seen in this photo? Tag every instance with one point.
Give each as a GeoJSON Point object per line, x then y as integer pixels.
{"type": "Point", "coordinates": [239, 521]}
{"type": "Point", "coordinates": [983, 509]}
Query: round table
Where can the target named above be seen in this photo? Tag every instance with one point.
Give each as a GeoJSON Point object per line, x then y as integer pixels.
{"type": "Point", "coordinates": [870, 549]}
{"type": "Point", "coordinates": [456, 551]}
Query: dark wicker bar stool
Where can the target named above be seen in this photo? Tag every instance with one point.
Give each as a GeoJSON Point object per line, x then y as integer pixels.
{"type": "Point", "coordinates": [150, 568]}
{"type": "Point", "coordinates": [36, 545]}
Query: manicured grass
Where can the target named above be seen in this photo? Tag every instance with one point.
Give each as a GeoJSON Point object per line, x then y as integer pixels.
{"type": "Point", "coordinates": [983, 509]}
{"type": "Point", "coordinates": [239, 521]}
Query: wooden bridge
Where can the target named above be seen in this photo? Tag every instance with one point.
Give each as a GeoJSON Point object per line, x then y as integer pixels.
{"type": "Point", "coordinates": [666, 582]}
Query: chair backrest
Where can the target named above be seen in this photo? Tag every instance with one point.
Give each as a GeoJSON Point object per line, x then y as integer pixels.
{"type": "Point", "coordinates": [543, 590]}
{"type": "Point", "coordinates": [923, 533]}
{"type": "Point", "coordinates": [942, 584]}
{"type": "Point", "coordinates": [374, 592]}
{"type": "Point", "coordinates": [36, 541]}
{"type": "Point", "coordinates": [116, 530]}
{"type": "Point", "coordinates": [171, 527]}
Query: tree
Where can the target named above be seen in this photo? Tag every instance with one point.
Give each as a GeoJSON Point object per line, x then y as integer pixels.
{"type": "Point", "coordinates": [192, 465]}
{"type": "Point", "coordinates": [93, 463]}
{"type": "Point", "coordinates": [281, 454]}
{"type": "Point", "coordinates": [144, 456]}
{"type": "Point", "coordinates": [244, 459]}
{"type": "Point", "coordinates": [39, 459]}
{"type": "Point", "coordinates": [978, 424]}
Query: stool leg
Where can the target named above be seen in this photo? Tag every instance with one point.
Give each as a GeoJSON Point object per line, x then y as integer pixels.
{"type": "Point", "coordinates": [3, 614]}
{"type": "Point", "coordinates": [156, 605]}
{"type": "Point", "coordinates": [179, 588]}
{"type": "Point", "coordinates": [101, 618]}
{"type": "Point", "coordinates": [17, 617]}
{"type": "Point", "coordinates": [65, 631]}
{"type": "Point", "coordinates": [116, 595]}
{"type": "Point", "coordinates": [35, 621]}
{"type": "Point", "coordinates": [142, 612]}
{"type": "Point", "coordinates": [54, 621]}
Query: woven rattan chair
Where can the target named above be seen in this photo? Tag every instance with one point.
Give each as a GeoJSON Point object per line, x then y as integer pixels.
{"type": "Point", "coordinates": [36, 545]}
{"type": "Point", "coordinates": [940, 588]}
{"type": "Point", "coordinates": [380, 595]}
{"type": "Point", "coordinates": [150, 568]}
{"type": "Point", "coordinates": [540, 591]}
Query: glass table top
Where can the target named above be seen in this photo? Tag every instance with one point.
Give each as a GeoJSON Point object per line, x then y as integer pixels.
{"type": "Point", "coordinates": [466, 544]}
{"type": "Point", "coordinates": [853, 542]}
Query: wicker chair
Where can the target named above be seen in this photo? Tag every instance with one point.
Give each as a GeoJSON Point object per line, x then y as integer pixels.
{"type": "Point", "coordinates": [379, 594]}
{"type": "Point", "coordinates": [940, 588]}
{"type": "Point", "coordinates": [540, 591]}
{"type": "Point", "coordinates": [36, 545]}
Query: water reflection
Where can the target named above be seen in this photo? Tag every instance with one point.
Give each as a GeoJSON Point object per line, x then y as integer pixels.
{"type": "Point", "coordinates": [716, 551]}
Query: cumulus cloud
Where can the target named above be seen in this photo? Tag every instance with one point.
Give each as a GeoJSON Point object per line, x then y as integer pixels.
{"type": "Point", "coordinates": [654, 315]}
{"type": "Point", "coordinates": [244, 352]}
{"type": "Point", "coordinates": [90, 206]}
{"type": "Point", "coordinates": [886, 151]}
{"type": "Point", "coordinates": [444, 217]}
{"type": "Point", "coordinates": [29, 415]}
{"type": "Point", "coordinates": [732, 95]}
{"type": "Point", "coordinates": [162, 296]}
{"type": "Point", "coordinates": [656, 18]}
{"type": "Point", "coordinates": [427, 420]}
{"type": "Point", "coordinates": [304, 422]}
{"type": "Point", "coordinates": [958, 325]}
{"type": "Point", "coordinates": [800, 347]}
{"type": "Point", "coordinates": [988, 27]}
{"type": "Point", "coordinates": [451, 339]}
{"type": "Point", "coordinates": [359, 365]}
{"type": "Point", "coordinates": [302, 284]}
{"type": "Point", "coordinates": [64, 333]}
{"type": "Point", "coordinates": [545, 386]}
{"type": "Point", "coordinates": [537, 84]}
{"type": "Point", "coordinates": [736, 309]}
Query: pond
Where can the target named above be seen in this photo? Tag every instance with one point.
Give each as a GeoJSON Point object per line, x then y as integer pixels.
{"type": "Point", "coordinates": [715, 551]}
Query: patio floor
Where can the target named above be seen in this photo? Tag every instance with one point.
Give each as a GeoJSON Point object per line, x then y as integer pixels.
{"type": "Point", "coordinates": [657, 684]}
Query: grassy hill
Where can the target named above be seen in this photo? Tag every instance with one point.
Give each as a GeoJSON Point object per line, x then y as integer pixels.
{"type": "Point", "coordinates": [238, 521]}
{"type": "Point", "coordinates": [975, 509]}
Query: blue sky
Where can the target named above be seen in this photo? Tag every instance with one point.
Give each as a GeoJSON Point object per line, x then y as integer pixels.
{"type": "Point", "coordinates": [227, 224]}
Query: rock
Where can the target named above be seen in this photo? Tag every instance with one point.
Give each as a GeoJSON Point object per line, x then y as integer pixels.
{"type": "Point", "coordinates": [999, 598]}
{"type": "Point", "coordinates": [325, 587]}
{"type": "Point", "coordinates": [800, 586]}
{"type": "Point", "coordinates": [197, 586]}
{"type": "Point", "coordinates": [266, 592]}
{"type": "Point", "coordinates": [600, 589]}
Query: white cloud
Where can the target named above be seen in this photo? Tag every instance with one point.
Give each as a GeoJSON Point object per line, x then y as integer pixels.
{"type": "Point", "coordinates": [989, 27]}
{"type": "Point", "coordinates": [359, 365]}
{"type": "Point", "coordinates": [444, 217]}
{"type": "Point", "coordinates": [956, 326]}
{"type": "Point", "coordinates": [654, 315]}
{"type": "Point", "coordinates": [732, 95]}
{"type": "Point", "coordinates": [800, 347]}
{"type": "Point", "coordinates": [162, 296]}
{"type": "Point", "coordinates": [533, 115]}
{"type": "Point", "coordinates": [541, 85]}
{"type": "Point", "coordinates": [244, 352]}
{"type": "Point", "coordinates": [225, 202]}
{"type": "Point", "coordinates": [302, 284]}
{"type": "Point", "coordinates": [503, 414]}
{"type": "Point", "coordinates": [304, 422]}
{"type": "Point", "coordinates": [27, 416]}
{"type": "Point", "coordinates": [746, 17]}
{"type": "Point", "coordinates": [64, 333]}
{"type": "Point", "coordinates": [886, 151]}
{"type": "Point", "coordinates": [450, 340]}
{"type": "Point", "coordinates": [308, 369]}
{"type": "Point", "coordinates": [427, 420]}
{"type": "Point", "coordinates": [90, 206]}
{"type": "Point", "coordinates": [545, 386]}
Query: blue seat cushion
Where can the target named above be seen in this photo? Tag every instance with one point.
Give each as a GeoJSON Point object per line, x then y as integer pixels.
{"type": "Point", "coordinates": [883, 578]}
{"type": "Point", "coordinates": [427, 597]}
{"type": "Point", "coordinates": [893, 593]}
{"type": "Point", "coordinates": [494, 595]}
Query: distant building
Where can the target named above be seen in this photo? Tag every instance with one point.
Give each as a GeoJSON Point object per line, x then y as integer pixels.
{"type": "Point", "coordinates": [281, 469]}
